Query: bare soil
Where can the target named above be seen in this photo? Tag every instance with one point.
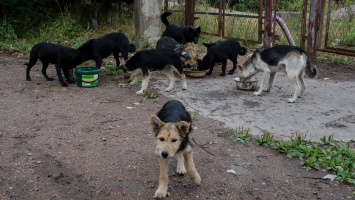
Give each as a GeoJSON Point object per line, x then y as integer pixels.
{"type": "Point", "coordinates": [96, 143]}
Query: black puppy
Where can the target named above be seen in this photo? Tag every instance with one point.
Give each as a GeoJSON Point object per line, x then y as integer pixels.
{"type": "Point", "coordinates": [182, 35]}
{"type": "Point", "coordinates": [170, 43]}
{"type": "Point", "coordinates": [100, 48]}
{"type": "Point", "coordinates": [64, 58]}
{"type": "Point", "coordinates": [220, 53]}
{"type": "Point", "coordinates": [210, 44]}
{"type": "Point", "coordinates": [166, 60]}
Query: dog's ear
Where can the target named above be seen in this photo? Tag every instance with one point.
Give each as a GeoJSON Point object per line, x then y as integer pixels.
{"type": "Point", "coordinates": [156, 124]}
{"type": "Point", "coordinates": [198, 30]}
{"type": "Point", "coordinates": [184, 127]}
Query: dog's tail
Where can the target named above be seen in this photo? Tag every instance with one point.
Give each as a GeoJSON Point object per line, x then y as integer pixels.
{"type": "Point", "coordinates": [311, 72]}
{"type": "Point", "coordinates": [243, 51]}
{"type": "Point", "coordinates": [131, 48]}
{"type": "Point", "coordinates": [164, 18]}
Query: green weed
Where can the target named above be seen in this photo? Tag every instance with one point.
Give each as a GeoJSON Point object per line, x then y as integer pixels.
{"type": "Point", "coordinates": [149, 95]}
{"type": "Point", "coordinates": [327, 155]}
{"type": "Point", "coordinates": [113, 70]}
{"type": "Point", "coordinates": [194, 116]}
{"type": "Point", "coordinates": [242, 135]}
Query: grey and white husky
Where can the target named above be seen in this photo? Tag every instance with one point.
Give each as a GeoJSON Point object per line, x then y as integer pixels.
{"type": "Point", "coordinates": [291, 59]}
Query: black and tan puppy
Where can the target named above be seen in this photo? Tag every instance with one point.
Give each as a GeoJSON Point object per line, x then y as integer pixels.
{"type": "Point", "coordinates": [220, 53]}
{"type": "Point", "coordinates": [171, 127]}
{"type": "Point", "coordinates": [169, 43]}
{"type": "Point", "coordinates": [64, 58]}
{"type": "Point", "coordinates": [166, 60]}
{"type": "Point", "coordinates": [183, 34]}
{"type": "Point", "coordinates": [100, 48]}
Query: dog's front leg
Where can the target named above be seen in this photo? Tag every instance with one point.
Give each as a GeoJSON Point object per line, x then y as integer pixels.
{"type": "Point", "coordinates": [231, 72]}
{"type": "Point", "coordinates": [262, 84]}
{"type": "Point", "coordinates": [224, 66]}
{"type": "Point", "coordinates": [181, 170]}
{"type": "Point", "coordinates": [162, 190]}
{"type": "Point", "coordinates": [191, 169]}
{"type": "Point", "coordinates": [144, 83]}
{"type": "Point", "coordinates": [60, 76]}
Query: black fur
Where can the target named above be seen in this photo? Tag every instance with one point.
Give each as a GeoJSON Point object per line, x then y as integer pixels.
{"type": "Point", "coordinates": [220, 53]}
{"type": "Point", "coordinates": [154, 59]}
{"type": "Point", "coordinates": [210, 44]}
{"type": "Point", "coordinates": [64, 58]}
{"type": "Point", "coordinates": [174, 111]}
{"type": "Point", "coordinates": [100, 48]}
{"type": "Point", "coordinates": [182, 35]}
{"type": "Point", "coordinates": [170, 43]}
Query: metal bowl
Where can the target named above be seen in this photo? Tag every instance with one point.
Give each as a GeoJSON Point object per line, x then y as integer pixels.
{"type": "Point", "coordinates": [194, 73]}
{"type": "Point", "coordinates": [246, 85]}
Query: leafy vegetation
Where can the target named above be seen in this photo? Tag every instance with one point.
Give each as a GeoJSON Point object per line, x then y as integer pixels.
{"type": "Point", "coordinates": [327, 155]}
{"type": "Point", "coordinates": [242, 135]}
{"type": "Point", "coordinates": [149, 95]}
{"type": "Point", "coordinates": [194, 116]}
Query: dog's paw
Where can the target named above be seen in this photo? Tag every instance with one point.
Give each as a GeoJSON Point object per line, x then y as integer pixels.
{"type": "Point", "coordinates": [65, 85]}
{"type": "Point", "coordinates": [139, 92]}
{"type": "Point", "coordinates": [209, 73]}
{"type": "Point", "coordinates": [181, 171]}
{"type": "Point", "coordinates": [222, 74]}
{"type": "Point", "coordinates": [291, 100]}
{"type": "Point", "coordinates": [267, 90]}
{"type": "Point", "coordinates": [29, 79]}
{"type": "Point", "coordinates": [256, 93]}
{"type": "Point", "coordinates": [160, 194]}
{"type": "Point", "coordinates": [196, 179]}
{"type": "Point", "coordinates": [230, 72]}
{"type": "Point", "coordinates": [168, 90]}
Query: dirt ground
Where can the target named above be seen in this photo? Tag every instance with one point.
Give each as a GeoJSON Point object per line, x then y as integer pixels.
{"type": "Point", "coordinates": [96, 143]}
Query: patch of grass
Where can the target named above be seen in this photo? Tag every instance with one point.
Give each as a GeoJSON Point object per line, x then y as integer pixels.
{"type": "Point", "coordinates": [194, 117]}
{"type": "Point", "coordinates": [339, 159]}
{"type": "Point", "coordinates": [113, 70]}
{"type": "Point", "coordinates": [149, 95]}
{"type": "Point", "coordinates": [242, 135]}
{"type": "Point", "coordinates": [342, 62]}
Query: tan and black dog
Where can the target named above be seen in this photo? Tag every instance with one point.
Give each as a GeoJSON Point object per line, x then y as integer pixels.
{"type": "Point", "coordinates": [171, 127]}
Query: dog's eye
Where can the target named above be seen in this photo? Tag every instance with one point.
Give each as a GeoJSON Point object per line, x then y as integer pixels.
{"type": "Point", "coordinates": [161, 139]}
{"type": "Point", "coordinates": [174, 140]}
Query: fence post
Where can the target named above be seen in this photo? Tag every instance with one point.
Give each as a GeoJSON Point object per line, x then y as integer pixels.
{"type": "Point", "coordinates": [147, 21]}
{"type": "Point", "coordinates": [189, 12]}
{"type": "Point", "coordinates": [315, 27]}
{"type": "Point", "coordinates": [268, 24]}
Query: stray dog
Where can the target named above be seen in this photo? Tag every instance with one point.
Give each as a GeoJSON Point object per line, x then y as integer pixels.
{"type": "Point", "coordinates": [182, 35]}
{"type": "Point", "coordinates": [100, 48]}
{"type": "Point", "coordinates": [228, 49]}
{"type": "Point", "coordinates": [156, 59]}
{"type": "Point", "coordinates": [291, 59]}
{"type": "Point", "coordinates": [170, 43]}
{"type": "Point", "coordinates": [191, 50]}
{"type": "Point", "coordinates": [64, 58]}
{"type": "Point", "coordinates": [209, 45]}
{"type": "Point", "coordinates": [171, 127]}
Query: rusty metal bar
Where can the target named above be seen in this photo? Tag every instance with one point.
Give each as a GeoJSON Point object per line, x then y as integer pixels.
{"type": "Point", "coordinates": [268, 23]}
{"type": "Point", "coordinates": [345, 52]}
{"type": "Point", "coordinates": [320, 17]}
{"type": "Point", "coordinates": [189, 12]}
{"type": "Point", "coordinates": [312, 30]}
{"type": "Point", "coordinates": [260, 22]}
{"type": "Point", "coordinates": [303, 24]}
{"type": "Point", "coordinates": [327, 25]}
{"type": "Point", "coordinates": [166, 5]}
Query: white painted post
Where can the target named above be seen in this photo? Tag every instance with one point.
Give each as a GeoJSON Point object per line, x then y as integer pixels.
{"type": "Point", "coordinates": [147, 21]}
